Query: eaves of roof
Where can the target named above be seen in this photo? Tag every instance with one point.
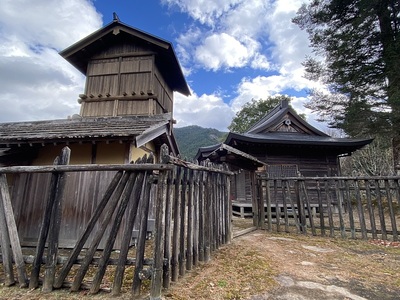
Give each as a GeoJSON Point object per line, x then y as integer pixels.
{"type": "Point", "coordinates": [82, 129]}
{"type": "Point", "coordinates": [284, 139]}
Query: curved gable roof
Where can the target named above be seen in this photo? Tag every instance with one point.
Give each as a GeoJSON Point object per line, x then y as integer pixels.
{"type": "Point", "coordinates": [81, 52]}
{"type": "Point", "coordinates": [282, 112]}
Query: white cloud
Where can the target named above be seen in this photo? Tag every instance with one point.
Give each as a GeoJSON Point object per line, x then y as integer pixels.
{"type": "Point", "coordinates": [221, 51]}
{"type": "Point", "coordinates": [205, 111]}
{"type": "Point", "coordinates": [204, 11]}
{"type": "Point", "coordinates": [38, 82]}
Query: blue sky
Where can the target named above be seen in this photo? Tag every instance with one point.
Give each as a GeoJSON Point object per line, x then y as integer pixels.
{"type": "Point", "coordinates": [231, 51]}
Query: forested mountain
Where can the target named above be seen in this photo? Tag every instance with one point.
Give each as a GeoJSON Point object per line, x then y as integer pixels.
{"type": "Point", "coordinates": [191, 138]}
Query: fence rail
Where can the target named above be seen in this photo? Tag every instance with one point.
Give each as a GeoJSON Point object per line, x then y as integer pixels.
{"type": "Point", "coordinates": [192, 219]}
{"type": "Point", "coordinates": [355, 207]}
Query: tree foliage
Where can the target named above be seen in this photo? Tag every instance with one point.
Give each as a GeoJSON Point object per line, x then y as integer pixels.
{"type": "Point", "coordinates": [253, 111]}
{"type": "Point", "coordinates": [357, 55]}
{"type": "Point", "coordinates": [376, 159]}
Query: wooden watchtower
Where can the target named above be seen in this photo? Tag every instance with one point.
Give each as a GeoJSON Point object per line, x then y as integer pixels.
{"type": "Point", "coordinates": [128, 72]}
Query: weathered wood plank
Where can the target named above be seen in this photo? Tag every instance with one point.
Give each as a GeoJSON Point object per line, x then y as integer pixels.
{"type": "Point", "coordinates": [89, 228]}
{"type": "Point", "coordinates": [55, 223]}
{"type": "Point", "coordinates": [5, 249]}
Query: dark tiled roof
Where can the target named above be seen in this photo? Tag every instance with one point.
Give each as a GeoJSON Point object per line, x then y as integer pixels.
{"type": "Point", "coordinates": [285, 138]}
{"type": "Point", "coordinates": [79, 129]}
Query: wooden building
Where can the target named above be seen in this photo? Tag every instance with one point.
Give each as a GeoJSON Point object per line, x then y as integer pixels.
{"type": "Point", "coordinates": [288, 146]}
{"type": "Point", "coordinates": [126, 112]}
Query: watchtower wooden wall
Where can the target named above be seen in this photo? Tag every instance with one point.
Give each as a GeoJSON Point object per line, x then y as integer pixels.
{"type": "Point", "coordinates": [123, 80]}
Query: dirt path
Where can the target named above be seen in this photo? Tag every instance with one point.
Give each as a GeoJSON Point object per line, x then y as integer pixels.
{"type": "Point", "coordinates": [262, 265]}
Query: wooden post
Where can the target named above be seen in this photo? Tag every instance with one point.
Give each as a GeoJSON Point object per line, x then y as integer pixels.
{"type": "Point", "coordinates": [391, 210]}
{"type": "Point", "coordinates": [380, 209]}
{"type": "Point", "coordinates": [229, 208]}
{"type": "Point", "coordinates": [295, 217]}
{"type": "Point", "coordinates": [321, 208]}
{"type": "Point", "coordinates": [371, 209]}
{"type": "Point", "coordinates": [300, 208]}
{"type": "Point", "coordinates": [360, 210]}
{"type": "Point", "coordinates": [285, 212]}
{"type": "Point", "coordinates": [13, 232]}
{"type": "Point", "coordinates": [141, 240]}
{"type": "Point", "coordinates": [310, 213]}
{"type": "Point", "coordinates": [189, 251]}
{"type": "Point", "coordinates": [277, 208]}
{"type": "Point", "coordinates": [55, 223]}
{"type": "Point", "coordinates": [350, 210]}
{"type": "Point", "coordinates": [182, 249]}
{"type": "Point", "coordinates": [5, 244]}
{"type": "Point", "coordinates": [261, 209]}
{"type": "Point", "coordinates": [44, 229]}
{"type": "Point", "coordinates": [196, 218]}
{"type": "Point", "coordinates": [156, 276]}
{"type": "Point", "coordinates": [176, 229]}
{"type": "Point", "coordinates": [340, 209]}
{"type": "Point", "coordinates": [202, 197]}
{"type": "Point", "coordinates": [269, 210]}
{"type": "Point", "coordinates": [168, 221]}
{"type": "Point", "coordinates": [330, 215]}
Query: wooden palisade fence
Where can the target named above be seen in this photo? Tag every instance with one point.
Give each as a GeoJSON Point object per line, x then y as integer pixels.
{"type": "Point", "coordinates": [192, 219]}
{"type": "Point", "coordinates": [354, 207]}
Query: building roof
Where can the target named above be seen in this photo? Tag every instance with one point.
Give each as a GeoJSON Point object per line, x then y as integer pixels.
{"type": "Point", "coordinates": [139, 129]}
{"type": "Point", "coordinates": [283, 127]}
{"type": "Point", "coordinates": [82, 51]}
{"type": "Point", "coordinates": [220, 153]}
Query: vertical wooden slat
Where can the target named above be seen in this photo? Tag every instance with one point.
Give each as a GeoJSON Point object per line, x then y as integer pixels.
{"type": "Point", "coordinates": [391, 210]}
{"type": "Point", "coordinates": [301, 209]}
{"type": "Point", "coordinates": [329, 204]}
{"type": "Point", "coordinates": [156, 277]}
{"type": "Point", "coordinates": [196, 219]}
{"type": "Point", "coordinates": [5, 244]}
{"type": "Point", "coordinates": [168, 221]}
{"type": "Point", "coordinates": [285, 212]}
{"type": "Point", "coordinates": [13, 232]}
{"type": "Point", "coordinates": [340, 209]}
{"type": "Point", "coordinates": [202, 196]}
{"type": "Point", "coordinates": [229, 209]}
{"type": "Point", "coordinates": [141, 239]}
{"type": "Point", "coordinates": [182, 245]}
{"type": "Point", "coordinates": [360, 210]}
{"type": "Point", "coordinates": [277, 208]}
{"type": "Point", "coordinates": [189, 237]}
{"type": "Point", "coordinates": [176, 229]}
{"type": "Point", "coordinates": [261, 202]}
{"type": "Point", "coordinates": [350, 210]}
{"type": "Point", "coordinates": [295, 217]}
{"type": "Point", "coordinates": [307, 202]}
{"type": "Point", "coordinates": [380, 209]}
{"type": "Point", "coordinates": [371, 209]}
{"type": "Point", "coordinates": [55, 223]}
{"type": "Point", "coordinates": [207, 218]}
{"type": "Point", "coordinates": [268, 200]}
{"type": "Point", "coordinates": [321, 208]}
